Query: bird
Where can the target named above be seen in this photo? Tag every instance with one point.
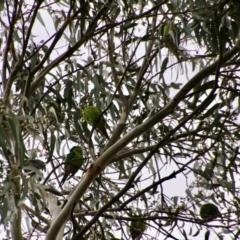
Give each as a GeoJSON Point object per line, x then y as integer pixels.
{"type": "Point", "coordinates": [137, 228]}
{"type": "Point", "coordinates": [209, 211]}
{"type": "Point", "coordinates": [38, 164]}
{"type": "Point", "coordinates": [170, 38]}
{"type": "Point", "coordinates": [91, 115]}
{"type": "Point", "coordinates": [73, 163]}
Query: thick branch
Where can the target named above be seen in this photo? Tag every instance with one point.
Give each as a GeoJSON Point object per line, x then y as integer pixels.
{"type": "Point", "coordinates": [105, 158]}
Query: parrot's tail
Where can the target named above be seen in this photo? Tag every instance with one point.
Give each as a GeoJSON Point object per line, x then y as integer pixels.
{"type": "Point", "coordinates": [63, 179]}
{"type": "Point", "coordinates": [103, 130]}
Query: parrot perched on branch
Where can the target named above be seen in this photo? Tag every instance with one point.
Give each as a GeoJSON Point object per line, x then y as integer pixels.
{"type": "Point", "coordinates": [170, 38]}
{"type": "Point", "coordinates": [137, 228]}
{"type": "Point", "coordinates": [38, 164]}
{"type": "Point", "coordinates": [73, 163]}
{"type": "Point", "coordinates": [209, 211]}
{"type": "Point", "coordinates": [91, 115]}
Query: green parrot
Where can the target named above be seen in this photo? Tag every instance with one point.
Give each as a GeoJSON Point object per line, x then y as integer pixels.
{"type": "Point", "coordinates": [90, 115]}
{"type": "Point", "coordinates": [170, 37]}
{"type": "Point", "coordinates": [137, 228]}
{"type": "Point", "coordinates": [209, 211]}
{"type": "Point", "coordinates": [40, 165]}
{"type": "Point", "coordinates": [73, 163]}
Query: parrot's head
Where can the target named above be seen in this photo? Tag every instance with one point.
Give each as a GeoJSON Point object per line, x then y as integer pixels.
{"type": "Point", "coordinates": [91, 114]}
{"type": "Point", "coordinates": [77, 150]}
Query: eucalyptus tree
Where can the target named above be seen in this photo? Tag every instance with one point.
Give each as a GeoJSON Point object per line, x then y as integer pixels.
{"type": "Point", "coordinates": [165, 78]}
